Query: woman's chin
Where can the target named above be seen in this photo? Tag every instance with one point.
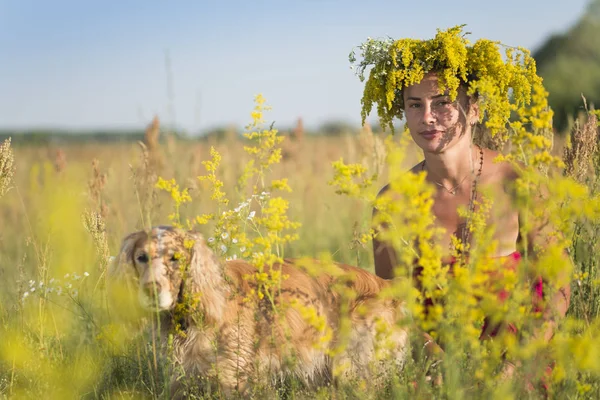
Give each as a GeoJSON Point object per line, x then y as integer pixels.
{"type": "Point", "coordinates": [432, 146]}
{"type": "Point", "coordinates": [435, 145]}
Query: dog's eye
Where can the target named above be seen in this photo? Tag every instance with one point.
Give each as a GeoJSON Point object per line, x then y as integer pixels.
{"type": "Point", "coordinates": [143, 258]}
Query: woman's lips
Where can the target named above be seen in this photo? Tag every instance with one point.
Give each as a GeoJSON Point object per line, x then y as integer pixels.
{"type": "Point", "coordinates": [429, 135]}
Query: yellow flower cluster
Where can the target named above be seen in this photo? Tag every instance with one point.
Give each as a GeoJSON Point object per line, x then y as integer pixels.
{"type": "Point", "coordinates": [265, 150]}
{"type": "Point", "coordinates": [351, 179]}
{"type": "Point", "coordinates": [179, 197]}
{"type": "Point", "coordinates": [503, 84]}
{"type": "Point", "coordinates": [211, 167]}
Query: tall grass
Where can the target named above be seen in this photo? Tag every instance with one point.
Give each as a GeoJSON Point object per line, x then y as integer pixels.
{"type": "Point", "coordinates": [65, 216]}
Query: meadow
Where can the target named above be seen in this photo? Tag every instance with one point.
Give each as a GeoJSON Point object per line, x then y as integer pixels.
{"type": "Point", "coordinates": [69, 206]}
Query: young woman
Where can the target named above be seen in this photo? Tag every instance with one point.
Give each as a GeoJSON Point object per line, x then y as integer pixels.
{"type": "Point", "coordinates": [444, 88]}
{"type": "Point", "coordinates": [461, 171]}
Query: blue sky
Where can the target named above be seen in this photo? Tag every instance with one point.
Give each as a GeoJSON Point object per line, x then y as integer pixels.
{"type": "Point", "coordinates": [82, 64]}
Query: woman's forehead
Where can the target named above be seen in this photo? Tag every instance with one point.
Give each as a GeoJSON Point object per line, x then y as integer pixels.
{"type": "Point", "coordinates": [428, 87]}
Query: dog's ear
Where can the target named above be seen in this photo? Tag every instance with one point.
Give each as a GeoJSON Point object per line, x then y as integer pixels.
{"type": "Point", "coordinates": [204, 264]}
{"type": "Point", "coordinates": [125, 257]}
{"type": "Point", "coordinates": [206, 276]}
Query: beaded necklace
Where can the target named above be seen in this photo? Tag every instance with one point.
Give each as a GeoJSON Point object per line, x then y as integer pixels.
{"type": "Point", "coordinates": [466, 233]}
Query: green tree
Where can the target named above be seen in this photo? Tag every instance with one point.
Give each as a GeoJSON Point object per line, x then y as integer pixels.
{"type": "Point", "coordinates": [570, 65]}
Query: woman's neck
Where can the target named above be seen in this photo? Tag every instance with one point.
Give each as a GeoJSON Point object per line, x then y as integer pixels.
{"type": "Point", "coordinates": [453, 165]}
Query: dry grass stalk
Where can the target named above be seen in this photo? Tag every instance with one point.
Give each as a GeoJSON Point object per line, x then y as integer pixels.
{"type": "Point", "coordinates": [298, 132]}
{"type": "Point", "coordinates": [94, 220]}
{"type": "Point", "coordinates": [95, 225]}
{"type": "Point", "coordinates": [60, 160]}
{"type": "Point", "coordinates": [151, 142]}
{"type": "Point", "coordinates": [581, 148]}
{"type": "Point", "coordinates": [7, 167]}
{"type": "Point", "coordinates": [372, 149]}
{"type": "Point", "coordinates": [96, 189]}
{"type": "Point", "coordinates": [144, 177]}
{"type": "Point", "coordinates": [152, 134]}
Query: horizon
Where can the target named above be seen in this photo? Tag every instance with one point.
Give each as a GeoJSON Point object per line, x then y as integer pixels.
{"type": "Point", "coordinates": [98, 66]}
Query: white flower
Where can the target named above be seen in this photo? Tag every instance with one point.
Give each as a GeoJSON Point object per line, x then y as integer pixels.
{"type": "Point", "coordinates": [223, 248]}
{"type": "Point", "coordinates": [224, 235]}
{"type": "Point", "coordinates": [234, 241]}
{"type": "Point", "coordinates": [41, 284]}
{"type": "Point", "coordinates": [251, 215]}
{"type": "Point", "coordinates": [31, 283]}
{"type": "Point", "coordinates": [69, 286]}
{"type": "Point", "coordinates": [25, 294]}
{"type": "Point", "coordinates": [74, 292]}
{"type": "Point", "coordinates": [242, 249]}
{"type": "Point", "coordinates": [211, 239]}
{"type": "Point", "coordinates": [86, 274]}
{"type": "Point", "coordinates": [67, 275]}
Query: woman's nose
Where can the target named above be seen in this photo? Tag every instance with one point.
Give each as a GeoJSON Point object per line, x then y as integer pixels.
{"type": "Point", "coordinates": [428, 117]}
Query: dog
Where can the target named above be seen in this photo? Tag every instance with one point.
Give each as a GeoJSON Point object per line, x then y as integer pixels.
{"type": "Point", "coordinates": [230, 329]}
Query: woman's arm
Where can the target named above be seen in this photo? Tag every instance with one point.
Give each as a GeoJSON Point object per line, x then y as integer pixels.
{"type": "Point", "coordinates": [384, 257]}
{"type": "Point", "coordinates": [555, 307]}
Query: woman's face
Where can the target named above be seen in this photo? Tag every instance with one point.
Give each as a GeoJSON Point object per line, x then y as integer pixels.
{"type": "Point", "coordinates": [437, 123]}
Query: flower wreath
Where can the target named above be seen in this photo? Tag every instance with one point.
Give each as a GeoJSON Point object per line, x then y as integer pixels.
{"type": "Point", "coordinates": [505, 88]}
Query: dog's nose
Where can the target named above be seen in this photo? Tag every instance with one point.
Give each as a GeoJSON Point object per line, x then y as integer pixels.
{"type": "Point", "coordinates": [151, 289]}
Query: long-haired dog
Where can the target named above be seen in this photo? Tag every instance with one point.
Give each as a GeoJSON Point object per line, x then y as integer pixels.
{"type": "Point", "coordinates": [231, 329]}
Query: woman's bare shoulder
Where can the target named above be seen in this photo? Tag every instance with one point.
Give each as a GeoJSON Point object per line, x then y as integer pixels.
{"type": "Point", "coordinates": [417, 168]}
{"type": "Point", "coordinates": [498, 170]}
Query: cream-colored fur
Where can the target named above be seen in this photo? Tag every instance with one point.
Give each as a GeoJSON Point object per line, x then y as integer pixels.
{"type": "Point", "coordinates": [228, 336]}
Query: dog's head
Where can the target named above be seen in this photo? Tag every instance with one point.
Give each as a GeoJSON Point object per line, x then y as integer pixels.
{"type": "Point", "coordinates": [162, 259]}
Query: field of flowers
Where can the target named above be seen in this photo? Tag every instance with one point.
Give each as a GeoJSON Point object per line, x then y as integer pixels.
{"type": "Point", "coordinates": [65, 209]}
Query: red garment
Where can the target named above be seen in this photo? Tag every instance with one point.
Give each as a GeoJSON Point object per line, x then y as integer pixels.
{"type": "Point", "coordinates": [511, 263]}
{"type": "Point", "coordinates": [488, 330]}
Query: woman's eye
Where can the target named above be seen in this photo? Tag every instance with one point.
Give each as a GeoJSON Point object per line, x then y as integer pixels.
{"type": "Point", "coordinates": [414, 105]}
{"type": "Point", "coordinates": [143, 258]}
{"type": "Point", "coordinates": [444, 103]}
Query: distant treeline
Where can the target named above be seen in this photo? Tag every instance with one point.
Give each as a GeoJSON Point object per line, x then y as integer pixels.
{"type": "Point", "coordinates": [49, 136]}
{"type": "Point", "coordinates": [43, 137]}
